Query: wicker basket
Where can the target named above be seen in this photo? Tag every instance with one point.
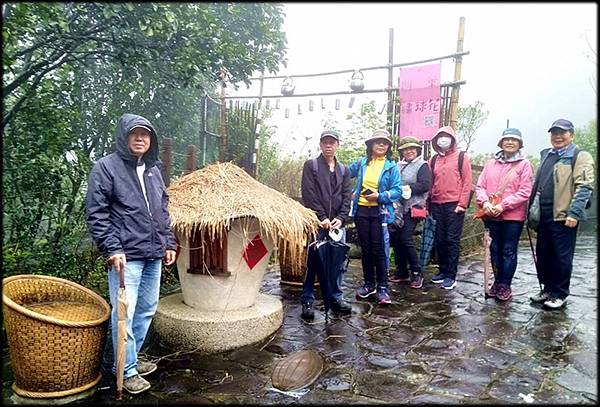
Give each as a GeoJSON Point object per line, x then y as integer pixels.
{"type": "Point", "coordinates": [56, 332]}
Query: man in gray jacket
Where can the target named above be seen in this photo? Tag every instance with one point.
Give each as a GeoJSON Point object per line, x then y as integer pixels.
{"type": "Point", "coordinates": [127, 215]}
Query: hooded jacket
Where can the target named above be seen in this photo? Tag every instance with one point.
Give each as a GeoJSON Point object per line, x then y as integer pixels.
{"type": "Point", "coordinates": [447, 183]}
{"type": "Point", "coordinates": [117, 215]}
{"type": "Point", "coordinates": [517, 184]}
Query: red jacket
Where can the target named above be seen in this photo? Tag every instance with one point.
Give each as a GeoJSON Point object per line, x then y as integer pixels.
{"type": "Point", "coordinates": [448, 185]}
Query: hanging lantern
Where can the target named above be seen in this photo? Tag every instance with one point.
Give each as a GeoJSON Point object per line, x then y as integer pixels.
{"type": "Point", "coordinates": [322, 103]}
{"type": "Point", "coordinates": [351, 102]}
{"type": "Point", "coordinates": [337, 104]}
{"type": "Point", "coordinates": [267, 103]}
{"type": "Point", "coordinates": [277, 104]}
{"type": "Point", "coordinates": [311, 105]}
{"type": "Point", "coordinates": [287, 112]}
{"type": "Point", "coordinates": [356, 83]}
{"type": "Point", "coordinates": [299, 109]}
{"type": "Point", "coordinates": [287, 88]}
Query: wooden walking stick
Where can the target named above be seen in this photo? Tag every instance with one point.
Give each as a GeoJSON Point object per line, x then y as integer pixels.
{"type": "Point", "coordinates": [487, 240]}
{"type": "Point", "coordinates": [121, 333]}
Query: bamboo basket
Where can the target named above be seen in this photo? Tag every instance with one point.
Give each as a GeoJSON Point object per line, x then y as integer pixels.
{"type": "Point", "coordinates": [56, 332]}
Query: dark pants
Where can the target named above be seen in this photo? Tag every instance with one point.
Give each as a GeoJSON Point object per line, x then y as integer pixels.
{"type": "Point", "coordinates": [372, 245]}
{"type": "Point", "coordinates": [312, 264]}
{"type": "Point", "coordinates": [404, 247]}
{"type": "Point", "coordinates": [448, 230]}
{"type": "Point", "coordinates": [503, 249]}
{"type": "Point", "coordinates": [555, 248]}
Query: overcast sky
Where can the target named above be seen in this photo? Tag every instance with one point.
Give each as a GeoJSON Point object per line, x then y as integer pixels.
{"type": "Point", "coordinates": [528, 63]}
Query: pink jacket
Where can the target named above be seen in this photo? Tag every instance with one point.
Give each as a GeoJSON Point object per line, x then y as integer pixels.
{"type": "Point", "coordinates": [447, 185]}
{"type": "Point", "coordinates": [518, 187]}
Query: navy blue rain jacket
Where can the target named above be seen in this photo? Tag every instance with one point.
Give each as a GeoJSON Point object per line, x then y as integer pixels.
{"type": "Point", "coordinates": [117, 215]}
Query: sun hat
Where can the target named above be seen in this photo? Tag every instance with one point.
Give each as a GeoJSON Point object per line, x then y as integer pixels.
{"type": "Point", "coordinates": [379, 134]}
{"type": "Point", "coordinates": [511, 132]}
{"type": "Point", "coordinates": [409, 141]}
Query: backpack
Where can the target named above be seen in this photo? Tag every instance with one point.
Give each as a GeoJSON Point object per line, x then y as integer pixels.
{"type": "Point", "coordinates": [315, 167]}
{"type": "Point", "coordinates": [588, 204]}
{"type": "Point", "coordinates": [461, 158]}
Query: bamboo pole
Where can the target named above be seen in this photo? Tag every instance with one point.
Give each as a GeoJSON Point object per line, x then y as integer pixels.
{"type": "Point", "coordinates": [457, 69]}
{"type": "Point", "coordinates": [390, 96]}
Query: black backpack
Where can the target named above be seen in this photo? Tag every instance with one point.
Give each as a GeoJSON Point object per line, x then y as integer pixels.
{"type": "Point", "coordinates": [461, 158]}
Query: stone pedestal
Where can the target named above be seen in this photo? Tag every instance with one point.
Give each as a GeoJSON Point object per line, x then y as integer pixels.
{"type": "Point", "coordinates": [182, 327]}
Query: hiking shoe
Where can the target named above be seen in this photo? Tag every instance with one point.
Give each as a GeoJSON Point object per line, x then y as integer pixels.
{"type": "Point", "coordinates": [365, 291]}
{"type": "Point", "coordinates": [307, 312]}
{"type": "Point", "coordinates": [399, 279]}
{"type": "Point", "coordinates": [504, 293]}
{"type": "Point", "coordinates": [448, 283]}
{"type": "Point", "coordinates": [539, 297]}
{"type": "Point", "coordinates": [136, 384]}
{"type": "Point", "coordinates": [416, 280]}
{"type": "Point", "coordinates": [145, 368]}
{"type": "Point", "coordinates": [383, 296]}
{"type": "Point", "coordinates": [437, 278]}
{"type": "Point", "coordinates": [341, 307]}
{"type": "Point", "coordinates": [493, 291]}
{"type": "Point", "coordinates": [554, 303]}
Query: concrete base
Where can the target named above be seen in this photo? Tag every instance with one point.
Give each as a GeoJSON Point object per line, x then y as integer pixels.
{"type": "Point", "coordinates": [182, 327]}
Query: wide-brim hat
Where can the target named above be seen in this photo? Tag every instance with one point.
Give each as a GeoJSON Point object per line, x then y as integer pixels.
{"type": "Point", "coordinates": [379, 135]}
{"type": "Point", "coordinates": [409, 141]}
{"type": "Point", "coordinates": [511, 132]}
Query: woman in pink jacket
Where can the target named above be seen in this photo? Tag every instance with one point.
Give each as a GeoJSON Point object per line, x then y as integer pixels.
{"type": "Point", "coordinates": [510, 176]}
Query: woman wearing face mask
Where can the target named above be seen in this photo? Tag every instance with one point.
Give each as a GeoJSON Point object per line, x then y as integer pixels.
{"type": "Point", "coordinates": [510, 176]}
{"type": "Point", "coordinates": [416, 180]}
{"type": "Point", "coordinates": [378, 185]}
{"type": "Point", "coordinates": [450, 194]}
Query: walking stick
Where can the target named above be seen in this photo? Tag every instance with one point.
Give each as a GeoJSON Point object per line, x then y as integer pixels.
{"type": "Point", "coordinates": [486, 262]}
{"type": "Point", "coordinates": [534, 256]}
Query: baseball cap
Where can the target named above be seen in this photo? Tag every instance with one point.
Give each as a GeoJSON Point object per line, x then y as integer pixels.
{"type": "Point", "coordinates": [330, 133]}
{"type": "Point", "coordinates": [562, 124]}
{"type": "Point", "coordinates": [141, 126]}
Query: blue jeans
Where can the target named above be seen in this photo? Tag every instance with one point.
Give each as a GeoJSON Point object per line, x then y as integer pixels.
{"type": "Point", "coordinates": [142, 289]}
{"type": "Point", "coordinates": [308, 286]}
{"type": "Point", "coordinates": [503, 249]}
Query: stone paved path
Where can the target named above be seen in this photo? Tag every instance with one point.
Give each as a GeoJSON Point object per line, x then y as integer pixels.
{"type": "Point", "coordinates": [429, 346]}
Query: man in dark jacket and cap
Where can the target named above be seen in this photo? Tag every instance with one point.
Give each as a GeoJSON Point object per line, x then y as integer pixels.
{"type": "Point", "coordinates": [326, 189]}
{"type": "Point", "coordinates": [127, 215]}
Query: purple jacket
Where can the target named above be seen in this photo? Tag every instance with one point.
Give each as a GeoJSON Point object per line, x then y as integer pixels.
{"type": "Point", "coordinates": [515, 197]}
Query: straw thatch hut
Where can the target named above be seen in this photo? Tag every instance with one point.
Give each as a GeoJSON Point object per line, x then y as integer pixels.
{"type": "Point", "coordinates": [227, 225]}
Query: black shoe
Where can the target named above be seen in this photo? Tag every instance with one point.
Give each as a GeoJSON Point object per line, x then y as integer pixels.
{"type": "Point", "coordinates": [307, 312]}
{"type": "Point", "coordinates": [341, 306]}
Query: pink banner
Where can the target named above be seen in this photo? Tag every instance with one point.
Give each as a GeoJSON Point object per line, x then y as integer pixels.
{"type": "Point", "coordinates": [419, 91]}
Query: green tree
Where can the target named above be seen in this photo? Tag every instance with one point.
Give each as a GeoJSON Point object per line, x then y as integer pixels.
{"type": "Point", "coordinates": [469, 119]}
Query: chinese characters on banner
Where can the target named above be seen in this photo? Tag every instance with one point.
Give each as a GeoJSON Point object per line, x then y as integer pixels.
{"type": "Point", "coordinates": [419, 91]}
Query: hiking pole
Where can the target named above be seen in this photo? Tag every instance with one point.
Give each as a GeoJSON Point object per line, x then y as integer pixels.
{"type": "Point", "coordinates": [534, 256]}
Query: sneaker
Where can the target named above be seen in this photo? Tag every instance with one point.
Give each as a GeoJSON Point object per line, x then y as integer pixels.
{"type": "Point", "coordinates": [383, 296]}
{"type": "Point", "coordinates": [504, 292]}
{"type": "Point", "coordinates": [416, 280]}
{"type": "Point", "coordinates": [448, 283]}
{"type": "Point", "coordinates": [365, 291]}
{"type": "Point", "coordinates": [399, 279]}
{"type": "Point", "coordinates": [145, 368]}
{"type": "Point", "coordinates": [341, 307]}
{"type": "Point", "coordinates": [540, 297]}
{"type": "Point", "coordinates": [136, 384]}
{"type": "Point", "coordinates": [493, 291]}
{"type": "Point", "coordinates": [437, 278]}
{"type": "Point", "coordinates": [554, 303]}
{"type": "Point", "coordinates": [307, 312]}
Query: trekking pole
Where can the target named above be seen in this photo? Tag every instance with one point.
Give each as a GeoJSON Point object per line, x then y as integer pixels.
{"type": "Point", "coordinates": [534, 256]}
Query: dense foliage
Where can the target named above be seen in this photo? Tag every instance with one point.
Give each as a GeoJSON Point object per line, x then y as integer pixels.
{"type": "Point", "coordinates": [70, 70]}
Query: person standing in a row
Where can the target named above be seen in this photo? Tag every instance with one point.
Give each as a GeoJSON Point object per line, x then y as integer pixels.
{"type": "Point", "coordinates": [450, 195]}
{"type": "Point", "coordinates": [564, 181]}
{"type": "Point", "coordinates": [503, 191]}
{"type": "Point", "coordinates": [378, 185]}
{"type": "Point", "coordinates": [416, 180]}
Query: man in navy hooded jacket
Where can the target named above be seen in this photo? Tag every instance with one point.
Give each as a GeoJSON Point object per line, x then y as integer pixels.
{"type": "Point", "coordinates": [127, 215]}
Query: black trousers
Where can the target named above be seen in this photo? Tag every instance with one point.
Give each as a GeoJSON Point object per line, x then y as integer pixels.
{"type": "Point", "coordinates": [402, 241]}
{"type": "Point", "coordinates": [448, 231]}
{"type": "Point", "coordinates": [372, 245]}
{"type": "Point", "coordinates": [555, 248]}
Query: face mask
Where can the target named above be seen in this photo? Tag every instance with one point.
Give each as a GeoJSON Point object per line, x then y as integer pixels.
{"type": "Point", "coordinates": [444, 142]}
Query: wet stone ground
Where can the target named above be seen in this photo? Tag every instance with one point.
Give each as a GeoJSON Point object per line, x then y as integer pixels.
{"type": "Point", "coordinates": [429, 346]}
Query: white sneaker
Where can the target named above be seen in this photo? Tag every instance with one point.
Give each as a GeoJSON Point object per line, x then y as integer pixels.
{"type": "Point", "coordinates": [540, 297]}
{"type": "Point", "coordinates": [554, 303]}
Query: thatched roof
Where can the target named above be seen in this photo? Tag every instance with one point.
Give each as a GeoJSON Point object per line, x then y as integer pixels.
{"type": "Point", "coordinates": [210, 198]}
